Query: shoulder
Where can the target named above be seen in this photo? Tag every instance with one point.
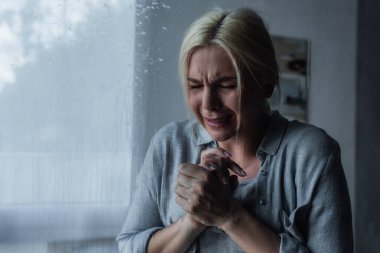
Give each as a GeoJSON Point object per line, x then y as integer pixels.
{"type": "Point", "coordinates": [311, 155]}
{"type": "Point", "coordinates": [307, 138]}
{"type": "Point", "coordinates": [176, 130]}
{"type": "Point", "coordinates": [177, 134]}
{"type": "Point", "coordinates": [166, 144]}
{"type": "Point", "coordinates": [182, 127]}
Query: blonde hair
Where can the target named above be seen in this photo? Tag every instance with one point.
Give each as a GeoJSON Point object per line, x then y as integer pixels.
{"type": "Point", "coordinates": [244, 36]}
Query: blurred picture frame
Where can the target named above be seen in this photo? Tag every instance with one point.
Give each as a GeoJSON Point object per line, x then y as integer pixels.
{"type": "Point", "coordinates": [290, 98]}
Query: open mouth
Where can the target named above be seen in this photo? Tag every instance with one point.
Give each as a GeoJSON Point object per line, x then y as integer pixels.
{"type": "Point", "coordinates": [218, 122]}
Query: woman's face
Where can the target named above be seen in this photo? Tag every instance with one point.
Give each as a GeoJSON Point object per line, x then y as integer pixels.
{"type": "Point", "coordinates": [212, 92]}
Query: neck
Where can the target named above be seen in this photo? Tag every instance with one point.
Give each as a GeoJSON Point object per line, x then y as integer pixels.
{"type": "Point", "coordinates": [244, 146]}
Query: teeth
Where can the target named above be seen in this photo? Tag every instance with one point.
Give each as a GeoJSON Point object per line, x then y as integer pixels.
{"type": "Point", "coordinates": [218, 121]}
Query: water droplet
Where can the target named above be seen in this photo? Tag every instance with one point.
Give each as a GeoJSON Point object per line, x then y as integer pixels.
{"type": "Point", "coordinates": [164, 28]}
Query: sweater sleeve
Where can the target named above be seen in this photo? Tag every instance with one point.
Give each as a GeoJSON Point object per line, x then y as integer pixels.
{"type": "Point", "coordinates": [329, 224]}
{"type": "Point", "coordinates": [143, 217]}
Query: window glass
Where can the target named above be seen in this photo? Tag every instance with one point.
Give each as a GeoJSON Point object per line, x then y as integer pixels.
{"type": "Point", "coordinates": [66, 74]}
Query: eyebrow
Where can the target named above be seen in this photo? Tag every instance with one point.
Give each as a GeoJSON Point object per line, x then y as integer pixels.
{"type": "Point", "coordinates": [218, 80]}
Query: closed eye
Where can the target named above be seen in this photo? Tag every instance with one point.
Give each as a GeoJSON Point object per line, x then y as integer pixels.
{"type": "Point", "coordinates": [226, 82]}
{"type": "Point", "coordinates": [195, 86]}
{"type": "Point", "coordinates": [228, 86]}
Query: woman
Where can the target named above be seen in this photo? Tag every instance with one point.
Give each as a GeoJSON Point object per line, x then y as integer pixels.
{"type": "Point", "coordinates": [239, 178]}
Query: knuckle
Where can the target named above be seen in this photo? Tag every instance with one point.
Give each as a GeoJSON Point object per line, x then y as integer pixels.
{"type": "Point", "coordinates": [191, 208]}
{"type": "Point", "coordinates": [220, 149]}
{"type": "Point", "coordinates": [196, 200]}
{"type": "Point", "coordinates": [176, 189]}
{"type": "Point", "coordinates": [216, 161]}
{"type": "Point", "coordinates": [193, 204]}
{"type": "Point", "coordinates": [182, 167]}
{"type": "Point", "coordinates": [209, 152]}
{"type": "Point", "coordinates": [204, 153]}
{"type": "Point", "coordinates": [200, 188]}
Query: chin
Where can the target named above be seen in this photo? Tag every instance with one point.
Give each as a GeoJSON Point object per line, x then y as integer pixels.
{"type": "Point", "coordinates": [221, 134]}
{"type": "Point", "coordinates": [221, 137]}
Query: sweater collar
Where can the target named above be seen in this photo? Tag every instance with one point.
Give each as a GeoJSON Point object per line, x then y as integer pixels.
{"type": "Point", "coordinates": [273, 136]}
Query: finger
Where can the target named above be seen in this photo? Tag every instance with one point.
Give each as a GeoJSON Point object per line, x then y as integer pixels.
{"type": "Point", "coordinates": [187, 205]}
{"type": "Point", "coordinates": [220, 162]}
{"type": "Point", "coordinates": [182, 202]}
{"type": "Point", "coordinates": [216, 159]}
{"type": "Point", "coordinates": [194, 171]}
{"type": "Point", "coordinates": [223, 162]}
{"type": "Point", "coordinates": [207, 167]}
{"type": "Point", "coordinates": [221, 173]}
{"type": "Point", "coordinates": [213, 153]}
{"type": "Point", "coordinates": [184, 180]}
{"type": "Point", "coordinates": [218, 151]}
{"type": "Point", "coordinates": [219, 165]}
{"type": "Point", "coordinates": [227, 163]}
{"type": "Point", "coordinates": [181, 191]}
{"type": "Point", "coordinates": [237, 169]}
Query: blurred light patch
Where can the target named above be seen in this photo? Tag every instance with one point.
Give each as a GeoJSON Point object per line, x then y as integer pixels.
{"type": "Point", "coordinates": [27, 26]}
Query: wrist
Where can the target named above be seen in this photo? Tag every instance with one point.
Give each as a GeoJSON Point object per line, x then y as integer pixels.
{"type": "Point", "coordinates": [191, 225]}
{"type": "Point", "coordinates": [233, 217]}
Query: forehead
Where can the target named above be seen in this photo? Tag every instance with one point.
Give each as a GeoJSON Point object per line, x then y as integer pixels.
{"type": "Point", "coordinates": [210, 62]}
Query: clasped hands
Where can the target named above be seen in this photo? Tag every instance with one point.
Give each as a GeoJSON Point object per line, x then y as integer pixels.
{"type": "Point", "coordinates": [205, 191]}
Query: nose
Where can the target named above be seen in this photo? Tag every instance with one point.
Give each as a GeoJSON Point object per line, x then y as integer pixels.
{"type": "Point", "coordinates": [211, 100]}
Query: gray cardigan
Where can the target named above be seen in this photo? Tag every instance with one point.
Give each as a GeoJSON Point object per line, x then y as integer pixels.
{"type": "Point", "coordinates": [300, 191]}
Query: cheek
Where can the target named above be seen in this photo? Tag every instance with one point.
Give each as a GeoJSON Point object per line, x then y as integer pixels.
{"type": "Point", "coordinates": [194, 103]}
{"type": "Point", "coordinates": [232, 102]}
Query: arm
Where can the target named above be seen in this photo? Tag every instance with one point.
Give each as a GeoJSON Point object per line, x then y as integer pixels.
{"type": "Point", "coordinates": [327, 228]}
{"type": "Point", "coordinates": [143, 230]}
{"type": "Point", "coordinates": [330, 224]}
{"type": "Point", "coordinates": [324, 223]}
{"type": "Point", "coordinates": [143, 217]}
{"type": "Point", "coordinates": [249, 233]}
{"type": "Point", "coordinates": [177, 237]}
